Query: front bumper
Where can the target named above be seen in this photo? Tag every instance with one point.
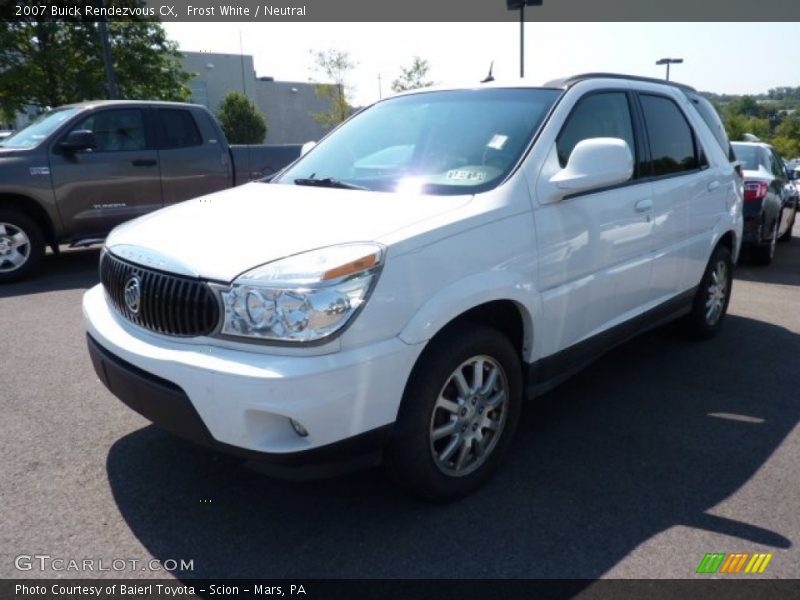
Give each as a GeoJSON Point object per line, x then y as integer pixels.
{"type": "Point", "coordinates": [240, 401]}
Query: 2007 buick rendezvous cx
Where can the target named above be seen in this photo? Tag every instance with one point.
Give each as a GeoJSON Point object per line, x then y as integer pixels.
{"type": "Point", "coordinates": [397, 290]}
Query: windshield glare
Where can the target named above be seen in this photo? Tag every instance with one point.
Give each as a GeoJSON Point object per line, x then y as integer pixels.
{"type": "Point", "coordinates": [43, 126]}
{"type": "Point", "coordinates": [453, 142]}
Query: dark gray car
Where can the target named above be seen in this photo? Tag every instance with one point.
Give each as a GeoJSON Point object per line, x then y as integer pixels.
{"type": "Point", "coordinates": [770, 201]}
{"type": "Point", "coordinates": [80, 170]}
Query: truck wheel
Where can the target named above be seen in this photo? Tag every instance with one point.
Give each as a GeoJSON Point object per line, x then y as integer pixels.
{"type": "Point", "coordinates": [458, 413]}
{"type": "Point", "coordinates": [764, 253]}
{"type": "Point", "coordinates": [713, 294]}
{"type": "Point", "coordinates": [21, 245]}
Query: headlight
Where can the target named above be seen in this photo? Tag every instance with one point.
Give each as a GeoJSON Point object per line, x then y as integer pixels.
{"type": "Point", "coordinates": [302, 298]}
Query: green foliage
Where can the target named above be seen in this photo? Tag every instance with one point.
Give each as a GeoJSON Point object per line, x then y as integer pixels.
{"type": "Point", "coordinates": [773, 117]}
{"type": "Point", "coordinates": [335, 66]}
{"type": "Point", "coordinates": [49, 63]}
{"type": "Point", "coordinates": [413, 77]}
{"type": "Point", "coordinates": [241, 121]}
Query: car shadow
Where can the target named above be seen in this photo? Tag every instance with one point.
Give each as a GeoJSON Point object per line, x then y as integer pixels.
{"type": "Point", "coordinates": [653, 435]}
{"type": "Point", "coordinates": [68, 270]}
{"type": "Point", "coordinates": [785, 267]}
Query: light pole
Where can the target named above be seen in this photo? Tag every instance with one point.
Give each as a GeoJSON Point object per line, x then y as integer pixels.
{"type": "Point", "coordinates": [521, 4]}
{"type": "Point", "coordinates": [107, 59]}
{"type": "Point", "coordinates": [668, 62]}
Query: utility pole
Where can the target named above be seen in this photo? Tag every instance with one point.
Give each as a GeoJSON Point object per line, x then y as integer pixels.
{"type": "Point", "coordinates": [241, 58]}
{"type": "Point", "coordinates": [521, 4]}
{"type": "Point", "coordinates": [111, 80]}
{"type": "Point", "coordinates": [668, 62]}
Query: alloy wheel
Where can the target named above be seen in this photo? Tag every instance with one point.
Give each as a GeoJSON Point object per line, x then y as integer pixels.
{"type": "Point", "coordinates": [717, 292]}
{"type": "Point", "coordinates": [469, 416]}
{"type": "Point", "coordinates": [15, 247]}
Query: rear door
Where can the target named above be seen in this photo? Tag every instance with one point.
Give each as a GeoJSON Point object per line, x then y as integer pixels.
{"type": "Point", "coordinates": [97, 189]}
{"type": "Point", "coordinates": [193, 159]}
{"type": "Point", "coordinates": [689, 195]}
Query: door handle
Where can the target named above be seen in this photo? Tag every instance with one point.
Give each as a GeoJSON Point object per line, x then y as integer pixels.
{"type": "Point", "coordinates": [713, 185]}
{"type": "Point", "coordinates": [643, 205]}
{"type": "Point", "coordinates": [144, 162]}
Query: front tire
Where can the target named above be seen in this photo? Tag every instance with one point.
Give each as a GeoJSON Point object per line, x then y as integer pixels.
{"type": "Point", "coordinates": [458, 414]}
{"type": "Point", "coordinates": [711, 300]}
{"type": "Point", "coordinates": [21, 245]}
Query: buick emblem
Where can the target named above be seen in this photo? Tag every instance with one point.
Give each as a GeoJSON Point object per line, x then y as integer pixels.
{"type": "Point", "coordinates": [133, 294]}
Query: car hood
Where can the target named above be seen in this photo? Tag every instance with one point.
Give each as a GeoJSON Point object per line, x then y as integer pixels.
{"type": "Point", "coordinates": [13, 152]}
{"type": "Point", "coordinates": [222, 235]}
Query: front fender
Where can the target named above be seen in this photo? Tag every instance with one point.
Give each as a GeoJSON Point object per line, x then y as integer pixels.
{"type": "Point", "coordinates": [470, 292]}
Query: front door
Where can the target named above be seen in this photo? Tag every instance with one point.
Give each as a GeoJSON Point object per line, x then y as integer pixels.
{"type": "Point", "coordinates": [116, 181]}
{"type": "Point", "coordinates": [594, 247]}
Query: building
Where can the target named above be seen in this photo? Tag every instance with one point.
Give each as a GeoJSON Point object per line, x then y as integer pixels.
{"type": "Point", "coordinates": [287, 106]}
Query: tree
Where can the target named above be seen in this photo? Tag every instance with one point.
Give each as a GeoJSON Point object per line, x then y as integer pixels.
{"type": "Point", "coordinates": [49, 63]}
{"type": "Point", "coordinates": [241, 121]}
{"type": "Point", "coordinates": [413, 77]}
{"type": "Point", "coordinates": [335, 66]}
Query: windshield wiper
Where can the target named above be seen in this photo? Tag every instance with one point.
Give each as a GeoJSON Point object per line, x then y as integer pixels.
{"type": "Point", "coordinates": [329, 182]}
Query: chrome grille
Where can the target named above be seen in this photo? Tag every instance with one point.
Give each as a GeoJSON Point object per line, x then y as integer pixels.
{"type": "Point", "coordinates": [168, 304]}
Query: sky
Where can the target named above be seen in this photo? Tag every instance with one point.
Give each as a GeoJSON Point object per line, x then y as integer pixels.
{"type": "Point", "coordinates": [740, 58]}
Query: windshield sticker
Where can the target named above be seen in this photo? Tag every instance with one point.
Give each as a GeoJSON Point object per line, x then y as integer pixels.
{"type": "Point", "coordinates": [40, 170]}
{"type": "Point", "coordinates": [497, 142]}
{"type": "Point", "coordinates": [466, 176]}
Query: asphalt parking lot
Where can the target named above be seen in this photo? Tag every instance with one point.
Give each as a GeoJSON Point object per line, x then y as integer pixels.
{"type": "Point", "coordinates": [660, 452]}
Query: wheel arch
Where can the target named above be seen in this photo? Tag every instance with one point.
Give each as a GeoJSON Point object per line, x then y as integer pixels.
{"type": "Point", "coordinates": [33, 210]}
{"type": "Point", "coordinates": [499, 300]}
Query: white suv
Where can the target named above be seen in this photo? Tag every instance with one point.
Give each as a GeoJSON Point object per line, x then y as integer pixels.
{"type": "Point", "coordinates": [398, 290]}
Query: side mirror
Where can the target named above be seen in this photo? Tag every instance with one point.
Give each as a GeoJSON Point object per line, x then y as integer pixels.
{"type": "Point", "coordinates": [82, 139]}
{"type": "Point", "coordinates": [595, 163]}
{"type": "Point", "coordinates": [306, 147]}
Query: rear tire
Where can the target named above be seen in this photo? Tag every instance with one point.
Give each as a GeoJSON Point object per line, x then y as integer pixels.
{"type": "Point", "coordinates": [764, 253]}
{"type": "Point", "coordinates": [787, 235]}
{"type": "Point", "coordinates": [713, 295]}
{"type": "Point", "coordinates": [458, 414]}
{"type": "Point", "coordinates": [21, 245]}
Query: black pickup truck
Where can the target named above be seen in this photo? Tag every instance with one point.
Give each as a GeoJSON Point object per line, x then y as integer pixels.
{"type": "Point", "coordinates": [80, 170]}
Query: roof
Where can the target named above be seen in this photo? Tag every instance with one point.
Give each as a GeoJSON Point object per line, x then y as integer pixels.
{"type": "Point", "coordinates": [98, 103]}
{"type": "Point", "coordinates": [570, 81]}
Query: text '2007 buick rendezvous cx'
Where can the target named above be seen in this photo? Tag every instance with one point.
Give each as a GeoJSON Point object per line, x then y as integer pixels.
{"type": "Point", "coordinates": [397, 291]}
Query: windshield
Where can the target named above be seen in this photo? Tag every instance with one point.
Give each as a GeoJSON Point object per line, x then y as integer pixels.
{"type": "Point", "coordinates": [42, 127]}
{"type": "Point", "coordinates": [453, 142]}
{"type": "Point", "coordinates": [749, 155]}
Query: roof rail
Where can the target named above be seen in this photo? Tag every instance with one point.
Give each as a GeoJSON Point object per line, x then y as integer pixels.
{"type": "Point", "coordinates": [570, 81]}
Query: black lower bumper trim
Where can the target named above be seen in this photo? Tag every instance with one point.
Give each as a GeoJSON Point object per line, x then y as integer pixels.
{"type": "Point", "coordinates": [168, 406]}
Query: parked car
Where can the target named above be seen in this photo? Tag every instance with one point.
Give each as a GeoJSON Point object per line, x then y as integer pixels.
{"type": "Point", "coordinates": [770, 200]}
{"type": "Point", "coordinates": [398, 290]}
{"type": "Point", "coordinates": [79, 170]}
{"type": "Point", "coordinates": [6, 133]}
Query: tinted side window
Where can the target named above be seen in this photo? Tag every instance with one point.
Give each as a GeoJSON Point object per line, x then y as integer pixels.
{"type": "Point", "coordinates": [178, 129]}
{"type": "Point", "coordinates": [116, 130]}
{"type": "Point", "coordinates": [672, 147]}
{"type": "Point", "coordinates": [606, 114]}
{"type": "Point", "coordinates": [709, 115]}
